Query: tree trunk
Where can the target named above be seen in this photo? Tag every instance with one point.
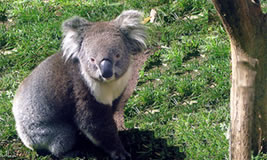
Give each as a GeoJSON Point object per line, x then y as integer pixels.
{"type": "Point", "coordinates": [247, 28]}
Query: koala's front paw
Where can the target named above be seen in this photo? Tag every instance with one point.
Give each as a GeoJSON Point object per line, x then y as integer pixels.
{"type": "Point", "coordinates": [120, 155]}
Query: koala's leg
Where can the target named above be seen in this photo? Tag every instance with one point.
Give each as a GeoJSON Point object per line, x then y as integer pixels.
{"type": "Point", "coordinates": [118, 112]}
{"type": "Point", "coordinates": [99, 126]}
{"type": "Point", "coordinates": [57, 138]}
{"type": "Point", "coordinates": [63, 141]}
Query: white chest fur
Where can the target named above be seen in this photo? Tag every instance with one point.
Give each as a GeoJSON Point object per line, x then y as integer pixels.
{"type": "Point", "coordinates": [106, 93]}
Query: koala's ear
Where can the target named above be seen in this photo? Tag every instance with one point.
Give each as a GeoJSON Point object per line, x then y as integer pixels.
{"type": "Point", "coordinates": [129, 23]}
{"type": "Point", "coordinates": [73, 29]}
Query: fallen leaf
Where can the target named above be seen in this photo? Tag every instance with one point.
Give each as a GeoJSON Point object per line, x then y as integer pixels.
{"type": "Point", "coordinates": [153, 14]}
{"type": "Point", "coordinates": [146, 20]}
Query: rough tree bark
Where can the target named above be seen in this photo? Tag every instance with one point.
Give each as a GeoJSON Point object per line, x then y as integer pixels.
{"type": "Point", "coordinates": [247, 28]}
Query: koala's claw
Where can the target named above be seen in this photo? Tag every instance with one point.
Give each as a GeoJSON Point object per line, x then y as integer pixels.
{"type": "Point", "coordinates": [117, 155]}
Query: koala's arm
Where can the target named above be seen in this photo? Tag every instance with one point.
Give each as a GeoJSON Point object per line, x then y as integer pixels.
{"type": "Point", "coordinates": [95, 120]}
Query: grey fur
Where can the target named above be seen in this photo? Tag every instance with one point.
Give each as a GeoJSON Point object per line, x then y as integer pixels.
{"type": "Point", "coordinates": [129, 24]}
{"type": "Point", "coordinates": [67, 93]}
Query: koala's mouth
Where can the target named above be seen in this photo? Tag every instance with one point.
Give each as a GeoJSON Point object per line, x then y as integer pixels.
{"type": "Point", "coordinates": [106, 80]}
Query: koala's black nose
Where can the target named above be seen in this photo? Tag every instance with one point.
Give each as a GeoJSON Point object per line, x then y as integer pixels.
{"type": "Point", "coordinates": [106, 68]}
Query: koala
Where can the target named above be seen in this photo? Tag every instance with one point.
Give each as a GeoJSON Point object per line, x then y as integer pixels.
{"type": "Point", "coordinates": [75, 90]}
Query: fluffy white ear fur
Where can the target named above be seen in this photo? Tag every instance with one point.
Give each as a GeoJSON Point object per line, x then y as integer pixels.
{"type": "Point", "coordinates": [72, 33]}
{"type": "Point", "coordinates": [130, 24]}
{"type": "Point", "coordinates": [70, 47]}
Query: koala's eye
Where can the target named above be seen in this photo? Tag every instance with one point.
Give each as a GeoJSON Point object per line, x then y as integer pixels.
{"type": "Point", "coordinates": [118, 55]}
{"type": "Point", "coordinates": [92, 59]}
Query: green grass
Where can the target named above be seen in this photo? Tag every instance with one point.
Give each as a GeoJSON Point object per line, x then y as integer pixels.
{"type": "Point", "coordinates": [180, 108]}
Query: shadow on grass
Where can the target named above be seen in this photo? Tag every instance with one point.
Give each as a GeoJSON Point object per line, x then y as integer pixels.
{"type": "Point", "coordinates": [141, 144]}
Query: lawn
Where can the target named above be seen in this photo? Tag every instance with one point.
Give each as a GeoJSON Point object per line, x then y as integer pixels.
{"type": "Point", "coordinates": [180, 108]}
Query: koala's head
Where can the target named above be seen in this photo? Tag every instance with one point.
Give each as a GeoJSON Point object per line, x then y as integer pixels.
{"type": "Point", "coordinates": [104, 49]}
